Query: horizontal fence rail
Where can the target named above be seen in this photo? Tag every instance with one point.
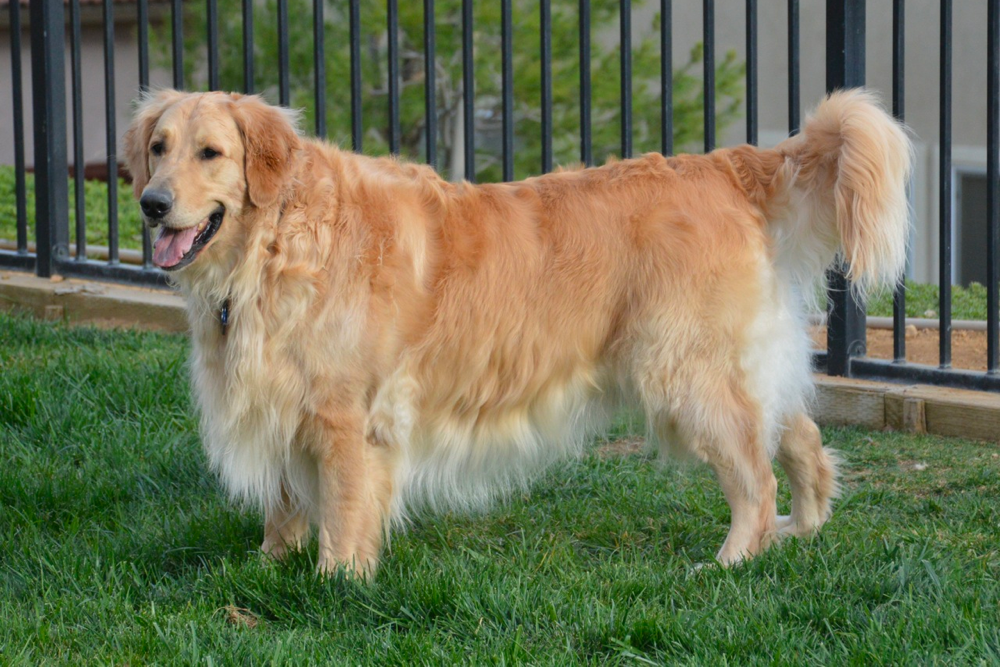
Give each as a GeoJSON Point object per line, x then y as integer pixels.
{"type": "Point", "coordinates": [446, 83]}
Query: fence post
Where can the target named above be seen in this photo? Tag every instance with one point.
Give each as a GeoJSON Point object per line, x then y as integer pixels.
{"type": "Point", "coordinates": [845, 68]}
{"type": "Point", "coordinates": [48, 82]}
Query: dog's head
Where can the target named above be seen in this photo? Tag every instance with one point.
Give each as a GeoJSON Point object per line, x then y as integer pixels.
{"type": "Point", "coordinates": [198, 159]}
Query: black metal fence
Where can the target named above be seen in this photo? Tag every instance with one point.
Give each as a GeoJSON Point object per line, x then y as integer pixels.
{"type": "Point", "coordinates": [845, 67]}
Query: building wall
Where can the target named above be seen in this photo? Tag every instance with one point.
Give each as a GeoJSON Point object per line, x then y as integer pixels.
{"type": "Point", "coordinates": [922, 82]}
{"type": "Point", "coordinates": [126, 64]}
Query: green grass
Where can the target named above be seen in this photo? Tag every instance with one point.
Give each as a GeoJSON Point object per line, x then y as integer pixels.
{"type": "Point", "coordinates": [967, 303]}
{"type": "Point", "coordinates": [116, 546]}
{"type": "Point", "coordinates": [922, 300]}
{"type": "Point", "coordinates": [95, 211]}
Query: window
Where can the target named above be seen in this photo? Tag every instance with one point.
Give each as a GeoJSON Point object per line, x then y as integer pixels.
{"type": "Point", "coordinates": [970, 234]}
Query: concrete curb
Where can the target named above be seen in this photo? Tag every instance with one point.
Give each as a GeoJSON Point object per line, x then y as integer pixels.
{"type": "Point", "coordinates": [839, 401]}
{"type": "Point", "coordinates": [87, 302]}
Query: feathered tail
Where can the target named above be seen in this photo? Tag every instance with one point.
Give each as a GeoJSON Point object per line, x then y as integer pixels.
{"type": "Point", "coordinates": [845, 179]}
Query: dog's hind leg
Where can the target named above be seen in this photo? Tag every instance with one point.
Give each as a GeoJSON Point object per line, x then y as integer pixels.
{"type": "Point", "coordinates": [723, 429]}
{"type": "Point", "coordinates": [747, 479]}
{"type": "Point", "coordinates": [812, 474]}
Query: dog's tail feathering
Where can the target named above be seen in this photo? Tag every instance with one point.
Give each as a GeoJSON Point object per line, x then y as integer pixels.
{"type": "Point", "coordinates": [846, 175]}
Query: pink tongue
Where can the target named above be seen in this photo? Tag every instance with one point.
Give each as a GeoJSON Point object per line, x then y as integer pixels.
{"type": "Point", "coordinates": [171, 245]}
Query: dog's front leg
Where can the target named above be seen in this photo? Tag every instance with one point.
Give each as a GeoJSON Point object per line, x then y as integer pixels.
{"type": "Point", "coordinates": [285, 527]}
{"type": "Point", "coordinates": [354, 495]}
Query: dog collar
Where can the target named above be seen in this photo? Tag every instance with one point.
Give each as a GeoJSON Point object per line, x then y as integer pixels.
{"type": "Point", "coordinates": [224, 308]}
{"type": "Point", "coordinates": [224, 315]}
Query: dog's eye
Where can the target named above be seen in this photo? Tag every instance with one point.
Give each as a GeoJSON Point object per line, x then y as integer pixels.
{"type": "Point", "coordinates": [208, 153]}
{"type": "Point", "coordinates": [157, 148]}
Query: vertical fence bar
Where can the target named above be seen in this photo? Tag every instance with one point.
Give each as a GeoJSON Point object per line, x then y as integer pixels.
{"type": "Point", "coordinates": [392, 19]}
{"type": "Point", "coordinates": [48, 89]}
{"type": "Point", "coordinates": [666, 78]}
{"type": "Point", "coordinates": [142, 16]}
{"type": "Point", "coordinates": [142, 19]}
{"type": "Point", "coordinates": [898, 110]}
{"type": "Point", "coordinates": [319, 68]}
{"type": "Point", "coordinates": [586, 144]}
{"type": "Point", "coordinates": [110, 128]}
{"type": "Point", "coordinates": [993, 187]}
{"type": "Point", "coordinates": [17, 98]}
{"type": "Point", "coordinates": [212, 22]}
{"type": "Point", "coordinates": [546, 53]}
{"type": "Point", "coordinates": [355, 38]}
{"type": "Point", "coordinates": [468, 93]}
{"type": "Point", "coordinates": [430, 85]}
{"type": "Point", "coordinates": [708, 93]}
{"type": "Point", "coordinates": [794, 96]}
{"type": "Point", "coordinates": [79, 196]}
{"type": "Point", "coordinates": [752, 72]}
{"type": "Point", "coordinates": [284, 92]}
{"type": "Point", "coordinates": [507, 87]}
{"type": "Point", "coordinates": [177, 41]}
{"type": "Point", "coordinates": [626, 82]}
{"type": "Point", "coordinates": [944, 201]}
{"type": "Point", "coordinates": [248, 86]}
{"type": "Point", "coordinates": [845, 68]}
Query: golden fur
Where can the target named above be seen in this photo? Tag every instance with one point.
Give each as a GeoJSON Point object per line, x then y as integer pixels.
{"type": "Point", "coordinates": [398, 340]}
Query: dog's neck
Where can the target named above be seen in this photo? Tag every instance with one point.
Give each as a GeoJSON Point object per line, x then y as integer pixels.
{"type": "Point", "coordinates": [224, 309]}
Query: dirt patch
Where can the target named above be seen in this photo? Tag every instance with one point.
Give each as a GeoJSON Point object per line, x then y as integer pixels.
{"type": "Point", "coordinates": [968, 348]}
{"type": "Point", "coordinates": [623, 447]}
{"type": "Point", "coordinates": [240, 617]}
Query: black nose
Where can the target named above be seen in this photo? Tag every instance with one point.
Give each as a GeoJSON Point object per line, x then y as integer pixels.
{"type": "Point", "coordinates": [156, 203]}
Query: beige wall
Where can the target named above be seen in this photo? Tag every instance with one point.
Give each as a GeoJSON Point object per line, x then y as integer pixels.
{"type": "Point", "coordinates": [922, 72]}
{"type": "Point", "coordinates": [92, 78]}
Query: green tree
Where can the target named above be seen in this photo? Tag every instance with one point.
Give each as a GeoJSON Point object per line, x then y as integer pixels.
{"type": "Point", "coordinates": [606, 114]}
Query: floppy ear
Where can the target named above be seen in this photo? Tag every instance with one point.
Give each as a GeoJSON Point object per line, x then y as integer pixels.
{"type": "Point", "coordinates": [136, 139]}
{"type": "Point", "coordinates": [269, 140]}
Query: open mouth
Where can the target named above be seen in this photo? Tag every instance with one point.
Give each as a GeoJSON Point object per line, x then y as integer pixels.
{"type": "Point", "coordinates": [176, 248]}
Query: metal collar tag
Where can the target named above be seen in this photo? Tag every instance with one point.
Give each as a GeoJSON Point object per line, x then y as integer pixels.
{"type": "Point", "coordinates": [224, 316]}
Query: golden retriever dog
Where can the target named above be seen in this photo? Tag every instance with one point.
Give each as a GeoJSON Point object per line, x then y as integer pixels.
{"type": "Point", "coordinates": [368, 338]}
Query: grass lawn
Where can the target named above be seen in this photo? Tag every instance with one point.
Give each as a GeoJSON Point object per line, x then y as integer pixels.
{"type": "Point", "coordinates": [116, 546]}
{"type": "Point", "coordinates": [95, 211]}
{"type": "Point", "coordinates": [967, 303]}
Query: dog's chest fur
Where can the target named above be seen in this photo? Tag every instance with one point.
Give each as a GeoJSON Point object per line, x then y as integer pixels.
{"type": "Point", "coordinates": [255, 385]}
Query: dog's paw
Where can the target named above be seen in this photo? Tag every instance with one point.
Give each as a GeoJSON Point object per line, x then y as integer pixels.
{"type": "Point", "coordinates": [353, 568]}
{"type": "Point", "coordinates": [273, 551]}
{"type": "Point", "coordinates": [786, 527]}
{"type": "Point", "coordinates": [784, 524]}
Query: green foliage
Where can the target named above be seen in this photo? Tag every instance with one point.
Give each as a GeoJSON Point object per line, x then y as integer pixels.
{"type": "Point", "coordinates": [688, 129]}
{"type": "Point", "coordinates": [95, 211]}
{"type": "Point", "coordinates": [117, 547]}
